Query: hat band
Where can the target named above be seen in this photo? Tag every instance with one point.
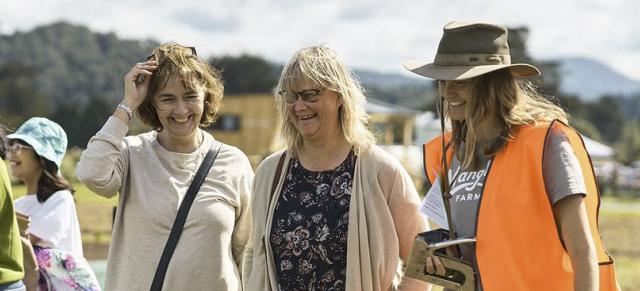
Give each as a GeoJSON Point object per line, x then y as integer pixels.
{"type": "Point", "coordinates": [471, 59]}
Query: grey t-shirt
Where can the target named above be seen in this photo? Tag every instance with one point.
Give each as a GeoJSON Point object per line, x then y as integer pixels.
{"type": "Point", "coordinates": [562, 178]}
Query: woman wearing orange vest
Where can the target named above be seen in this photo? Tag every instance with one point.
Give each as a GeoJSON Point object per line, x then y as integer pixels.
{"type": "Point", "coordinates": [520, 180]}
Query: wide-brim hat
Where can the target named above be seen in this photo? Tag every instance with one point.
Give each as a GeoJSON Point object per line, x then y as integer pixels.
{"type": "Point", "coordinates": [471, 49]}
{"type": "Point", "coordinates": [47, 138]}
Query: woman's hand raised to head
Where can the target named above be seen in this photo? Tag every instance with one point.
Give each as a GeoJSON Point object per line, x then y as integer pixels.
{"type": "Point", "coordinates": [134, 90]}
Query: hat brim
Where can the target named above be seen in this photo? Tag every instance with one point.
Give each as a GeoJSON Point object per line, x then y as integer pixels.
{"type": "Point", "coordinates": [37, 146]}
{"type": "Point", "coordinates": [451, 73]}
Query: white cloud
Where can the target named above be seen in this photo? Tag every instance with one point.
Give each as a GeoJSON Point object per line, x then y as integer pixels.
{"type": "Point", "coordinates": [375, 34]}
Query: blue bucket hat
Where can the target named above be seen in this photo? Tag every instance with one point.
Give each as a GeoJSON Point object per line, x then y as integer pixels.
{"type": "Point", "coordinates": [47, 138]}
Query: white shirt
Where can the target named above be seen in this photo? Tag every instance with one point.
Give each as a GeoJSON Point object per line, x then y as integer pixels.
{"type": "Point", "coordinates": [55, 221]}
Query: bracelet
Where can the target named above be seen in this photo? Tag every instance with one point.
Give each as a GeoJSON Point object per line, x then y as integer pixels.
{"type": "Point", "coordinates": [127, 110]}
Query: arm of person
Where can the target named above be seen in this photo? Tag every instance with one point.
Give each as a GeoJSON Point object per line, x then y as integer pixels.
{"type": "Point", "coordinates": [247, 261]}
{"type": "Point", "coordinates": [565, 186]}
{"type": "Point", "coordinates": [571, 218]}
{"type": "Point", "coordinates": [34, 239]}
{"type": "Point", "coordinates": [31, 274]}
{"type": "Point", "coordinates": [104, 163]}
{"type": "Point", "coordinates": [404, 204]}
{"type": "Point", "coordinates": [241, 236]}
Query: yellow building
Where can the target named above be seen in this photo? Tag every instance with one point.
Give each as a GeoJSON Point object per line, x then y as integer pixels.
{"type": "Point", "coordinates": [248, 122]}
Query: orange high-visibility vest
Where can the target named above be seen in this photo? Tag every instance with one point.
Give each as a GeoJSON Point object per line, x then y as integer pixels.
{"type": "Point", "coordinates": [518, 246]}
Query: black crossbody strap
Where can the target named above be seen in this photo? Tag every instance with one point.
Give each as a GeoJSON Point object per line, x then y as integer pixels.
{"type": "Point", "coordinates": [183, 211]}
{"type": "Point", "coordinates": [276, 178]}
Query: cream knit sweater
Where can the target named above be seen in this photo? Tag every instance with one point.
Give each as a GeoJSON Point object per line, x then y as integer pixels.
{"type": "Point", "coordinates": [152, 182]}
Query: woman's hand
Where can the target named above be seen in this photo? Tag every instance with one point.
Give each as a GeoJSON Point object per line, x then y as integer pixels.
{"type": "Point", "coordinates": [135, 91]}
{"type": "Point", "coordinates": [434, 265]}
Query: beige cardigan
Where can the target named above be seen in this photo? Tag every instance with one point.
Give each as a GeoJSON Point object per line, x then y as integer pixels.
{"type": "Point", "coordinates": [384, 219]}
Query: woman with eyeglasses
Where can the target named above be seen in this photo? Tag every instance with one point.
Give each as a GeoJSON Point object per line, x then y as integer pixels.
{"type": "Point", "coordinates": [176, 93]}
{"type": "Point", "coordinates": [332, 211]}
{"type": "Point", "coordinates": [36, 151]}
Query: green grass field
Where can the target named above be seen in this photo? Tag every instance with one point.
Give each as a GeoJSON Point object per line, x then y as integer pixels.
{"type": "Point", "coordinates": [619, 225]}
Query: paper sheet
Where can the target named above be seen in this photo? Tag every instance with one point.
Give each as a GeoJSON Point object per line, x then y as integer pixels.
{"type": "Point", "coordinates": [433, 206]}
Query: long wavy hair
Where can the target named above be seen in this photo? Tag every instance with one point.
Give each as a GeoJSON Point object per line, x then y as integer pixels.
{"type": "Point", "coordinates": [322, 66]}
{"type": "Point", "coordinates": [51, 182]}
{"type": "Point", "coordinates": [513, 102]}
{"type": "Point", "coordinates": [176, 60]}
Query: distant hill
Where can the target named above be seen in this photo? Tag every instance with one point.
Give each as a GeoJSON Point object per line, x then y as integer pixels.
{"type": "Point", "coordinates": [412, 92]}
{"type": "Point", "coordinates": [590, 79]}
{"type": "Point", "coordinates": [388, 79]}
{"type": "Point", "coordinates": [67, 73]}
{"type": "Point", "coordinates": [73, 64]}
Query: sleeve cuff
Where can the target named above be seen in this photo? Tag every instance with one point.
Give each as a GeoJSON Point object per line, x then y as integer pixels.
{"type": "Point", "coordinates": [115, 127]}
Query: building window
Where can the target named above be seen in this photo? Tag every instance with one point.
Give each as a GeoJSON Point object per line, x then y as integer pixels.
{"type": "Point", "coordinates": [227, 122]}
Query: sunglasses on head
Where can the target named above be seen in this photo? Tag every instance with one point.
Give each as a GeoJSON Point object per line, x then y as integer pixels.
{"type": "Point", "coordinates": [153, 55]}
{"type": "Point", "coordinates": [191, 48]}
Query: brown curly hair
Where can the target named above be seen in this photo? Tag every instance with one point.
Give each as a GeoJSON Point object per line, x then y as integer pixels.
{"type": "Point", "coordinates": [176, 60]}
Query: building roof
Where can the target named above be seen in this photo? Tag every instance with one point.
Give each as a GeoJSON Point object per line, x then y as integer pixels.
{"type": "Point", "coordinates": [596, 149]}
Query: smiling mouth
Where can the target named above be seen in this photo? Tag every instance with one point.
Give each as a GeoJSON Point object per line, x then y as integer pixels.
{"type": "Point", "coordinates": [181, 120]}
{"type": "Point", "coordinates": [307, 116]}
{"type": "Point", "coordinates": [456, 103]}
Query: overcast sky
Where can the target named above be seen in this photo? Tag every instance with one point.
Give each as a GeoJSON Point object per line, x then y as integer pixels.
{"type": "Point", "coordinates": [372, 34]}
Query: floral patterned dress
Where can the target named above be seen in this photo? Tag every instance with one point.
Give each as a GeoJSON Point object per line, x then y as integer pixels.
{"type": "Point", "coordinates": [309, 227]}
{"type": "Point", "coordinates": [62, 271]}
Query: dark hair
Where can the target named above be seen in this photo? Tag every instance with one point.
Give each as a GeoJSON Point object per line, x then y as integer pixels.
{"type": "Point", "coordinates": [50, 182]}
{"type": "Point", "coordinates": [175, 60]}
{"type": "Point", "coordinates": [3, 143]}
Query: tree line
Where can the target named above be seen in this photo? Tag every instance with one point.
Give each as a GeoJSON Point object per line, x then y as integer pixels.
{"type": "Point", "coordinates": [74, 76]}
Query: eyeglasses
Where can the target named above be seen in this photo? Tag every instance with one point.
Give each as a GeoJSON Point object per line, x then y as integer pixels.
{"type": "Point", "coordinates": [309, 95]}
{"type": "Point", "coordinates": [15, 147]}
{"type": "Point", "coordinates": [167, 103]}
{"type": "Point", "coordinates": [458, 84]}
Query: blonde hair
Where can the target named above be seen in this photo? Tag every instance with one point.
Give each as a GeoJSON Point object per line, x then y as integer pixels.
{"type": "Point", "coordinates": [512, 101]}
{"type": "Point", "coordinates": [194, 73]}
{"type": "Point", "coordinates": [321, 66]}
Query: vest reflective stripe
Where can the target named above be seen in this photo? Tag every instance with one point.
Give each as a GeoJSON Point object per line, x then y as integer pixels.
{"type": "Point", "coordinates": [518, 246]}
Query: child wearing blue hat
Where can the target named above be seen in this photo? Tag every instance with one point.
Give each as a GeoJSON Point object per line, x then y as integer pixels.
{"type": "Point", "coordinates": [35, 152]}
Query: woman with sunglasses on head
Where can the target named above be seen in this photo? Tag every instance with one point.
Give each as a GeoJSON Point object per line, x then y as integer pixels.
{"type": "Point", "coordinates": [36, 151]}
{"type": "Point", "coordinates": [518, 179]}
{"type": "Point", "coordinates": [175, 92]}
{"type": "Point", "coordinates": [332, 211]}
